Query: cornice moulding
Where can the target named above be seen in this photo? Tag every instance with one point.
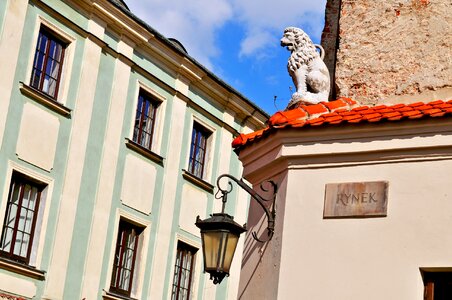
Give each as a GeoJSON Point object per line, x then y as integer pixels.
{"type": "Point", "coordinates": [333, 147]}
{"type": "Point", "coordinates": [172, 62]}
{"type": "Point", "coordinates": [169, 57]}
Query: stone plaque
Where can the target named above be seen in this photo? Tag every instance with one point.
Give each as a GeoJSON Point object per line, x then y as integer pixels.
{"type": "Point", "coordinates": [356, 199]}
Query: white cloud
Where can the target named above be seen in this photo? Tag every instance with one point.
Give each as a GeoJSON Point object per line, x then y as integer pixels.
{"type": "Point", "coordinates": [269, 18]}
{"type": "Point", "coordinates": [195, 22]}
{"type": "Point", "coordinates": [254, 42]}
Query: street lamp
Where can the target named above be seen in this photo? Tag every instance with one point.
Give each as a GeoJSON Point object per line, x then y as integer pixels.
{"type": "Point", "coordinates": [220, 233]}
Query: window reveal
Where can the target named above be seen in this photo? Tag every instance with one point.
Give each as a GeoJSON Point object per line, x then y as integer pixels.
{"type": "Point", "coordinates": [20, 219]}
{"type": "Point", "coordinates": [47, 64]}
{"type": "Point", "coordinates": [143, 132]}
{"type": "Point", "coordinates": [125, 257]}
{"type": "Point", "coordinates": [183, 272]}
{"type": "Point", "coordinates": [437, 285]}
{"type": "Point", "coordinates": [198, 149]}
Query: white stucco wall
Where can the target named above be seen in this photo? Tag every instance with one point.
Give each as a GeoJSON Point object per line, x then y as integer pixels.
{"type": "Point", "coordinates": [36, 127]}
{"type": "Point", "coordinates": [353, 258]}
{"type": "Point", "coordinates": [366, 258]}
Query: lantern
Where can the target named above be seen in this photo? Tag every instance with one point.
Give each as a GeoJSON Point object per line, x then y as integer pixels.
{"type": "Point", "coordinates": [219, 235]}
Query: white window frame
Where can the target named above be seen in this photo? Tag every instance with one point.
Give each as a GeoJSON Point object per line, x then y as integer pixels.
{"type": "Point", "coordinates": [67, 61]}
{"type": "Point", "coordinates": [210, 148]}
{"type": "Point", "coordinates": [43, 211]}
{"type": "Point", "coordinates": [142, 252]}
{"type": "Point", "coordinates": [198, 263]}
{"type": "Point", "coordinates": [159, 116]}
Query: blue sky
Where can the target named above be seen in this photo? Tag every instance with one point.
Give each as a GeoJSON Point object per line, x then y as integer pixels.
{"type": "Point", "coordinates": [238, 40]}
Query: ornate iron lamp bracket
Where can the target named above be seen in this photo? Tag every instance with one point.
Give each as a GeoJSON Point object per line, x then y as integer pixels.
{"type": "Point", "coordinates": [270, 213]}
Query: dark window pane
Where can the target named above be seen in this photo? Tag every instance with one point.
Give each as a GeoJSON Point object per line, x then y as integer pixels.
{"type": "Point", "coordinates": [438, 285]}
{"type": "Point", "coordinates": [48, 57]}
{"type": "Point", "coordinates": [183, 272]}
{"type": "Point", "coordinates": [198, 149]}
{"type": "Point", "coordinates": [145, 120]}
{"type": "Point", "coordinates": [20, 219]}
{"type": "Point", "coordinates": [125, 255]}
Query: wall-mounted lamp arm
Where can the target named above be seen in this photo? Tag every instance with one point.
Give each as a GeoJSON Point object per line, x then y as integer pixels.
{"type": "Point", "coordinates": [254, 195]}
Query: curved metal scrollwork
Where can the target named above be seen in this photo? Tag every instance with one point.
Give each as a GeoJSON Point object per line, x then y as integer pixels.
{"type": "Point", "coordinates": [254, 195]}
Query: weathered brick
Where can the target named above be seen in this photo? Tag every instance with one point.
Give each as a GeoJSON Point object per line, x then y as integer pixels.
{"type": "Point", "coordinates": [387, 48]}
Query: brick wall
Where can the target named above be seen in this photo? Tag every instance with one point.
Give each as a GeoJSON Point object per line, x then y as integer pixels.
{"type": "Point", "coordinates": [330, 39]}
{"type": "Point", "coordinates": [389, 50]}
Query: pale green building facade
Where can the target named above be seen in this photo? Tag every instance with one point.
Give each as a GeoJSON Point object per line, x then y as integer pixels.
{"type": "Point", "coordinates": [111, 140]}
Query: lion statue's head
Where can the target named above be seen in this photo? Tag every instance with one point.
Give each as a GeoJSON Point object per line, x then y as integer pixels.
{"type": "Point", "coordinates": [302, 48]}
{"type": "Point", "coordinates": [306, 67]}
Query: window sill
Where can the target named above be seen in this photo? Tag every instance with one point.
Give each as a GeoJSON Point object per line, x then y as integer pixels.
{"type": "Point", "coordinates": [113, 296]}
{"type": "Point", "coordinates": [145, 152]}
{"type": "Point", "coordinates": [45, 100]}
{"type": "Point", "coordinates": [21, 269]}
{"type": "Point", "coordinates": [198, 181]}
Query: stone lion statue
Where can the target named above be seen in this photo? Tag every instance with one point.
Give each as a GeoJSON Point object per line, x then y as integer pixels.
{"type": "Point", "coordinates": [306, 67]}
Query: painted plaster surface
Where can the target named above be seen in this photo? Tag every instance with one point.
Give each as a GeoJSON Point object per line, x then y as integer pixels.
{"type": "Point", "coordinates": [353, 257]}
{"type": "Point", "coordinates": [68, 11]}
{"type": "Point", "coordinates": [105, 196]}
{"type": "Point", "coordinates": [17, 286]}
{"type": "Point", "coordinates": [71, 190]}
{"type": "Point", "coordinates": [194, 202]}
{"type": "Point", "coordinates": [37, 126]}
{"type": "Point", "coordinates": [171, 180]}
{"type": "Point", "coordinates": [152, 66]}
{"type": "Point", "coordinates": [261, 262]}
{"type": "Point", "coordinates": [202, 100]}
{"type": "Point", "coordinates": [240, 214]}
{"type": "Point", "coordinates": [10, 38]}
{"type": "Point", "coordinates": [90, 177]}
{"type": "Point", "coordinates": [138, 184]}
{"type": "Point", "coordinates": [2, 14]}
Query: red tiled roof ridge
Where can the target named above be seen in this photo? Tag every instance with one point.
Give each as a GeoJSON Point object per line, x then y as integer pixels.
{"type": "Point", "coordinates": [345, 110]}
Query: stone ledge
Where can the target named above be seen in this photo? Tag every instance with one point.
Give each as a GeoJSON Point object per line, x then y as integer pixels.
{"type": "Point", "coordinates": [144, 152]}
{"type": "Point", "coordinates": [113, 296]}
{"type": "Point", "coordinates": [21, 269]}
{"type": "Point", "coordinates": [198, 181]}
{"type": "Point", "coordinates": [45, 100]}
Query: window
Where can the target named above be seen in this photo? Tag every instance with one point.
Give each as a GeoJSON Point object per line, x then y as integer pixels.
{"type": "Point", "coordinates": [143, 132]}
{"type": "Point", "coordinates": [125, 257]}
{"type": "Point", "coordinates": [20, 218]}
{"type": "Point", "coordinates": [198, 149]}
{"type": "Point", "coordinates": [183, 272]}
{"type": "Point", "coordinates": [47, 64]}
{"type": "Point", "coordinates": [437, 285]}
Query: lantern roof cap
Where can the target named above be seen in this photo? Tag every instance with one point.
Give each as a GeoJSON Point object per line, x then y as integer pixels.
{"type": "Point", "coordinates": [220, 221]}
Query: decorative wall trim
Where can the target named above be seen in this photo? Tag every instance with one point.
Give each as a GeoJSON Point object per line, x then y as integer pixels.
{"type": "Point", "coordinates": [45, 100]}
{"type": "Point", "coordinates": [144, 152]}
{"type": "Point", "coordinates": [21, 269]}
{"type": "Point", "coordinates": [112, 296]}
{"type": "Point", "coordinates": [198, 181]}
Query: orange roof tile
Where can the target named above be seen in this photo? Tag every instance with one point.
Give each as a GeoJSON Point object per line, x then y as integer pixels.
{"type": "Point", "coordinates": [344, 111]}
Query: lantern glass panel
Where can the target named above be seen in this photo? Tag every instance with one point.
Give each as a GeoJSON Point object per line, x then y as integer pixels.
{"type": "Point", "coordinates": [211, 247]}
{"type": "Point", "coordinates": [230, 250]}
